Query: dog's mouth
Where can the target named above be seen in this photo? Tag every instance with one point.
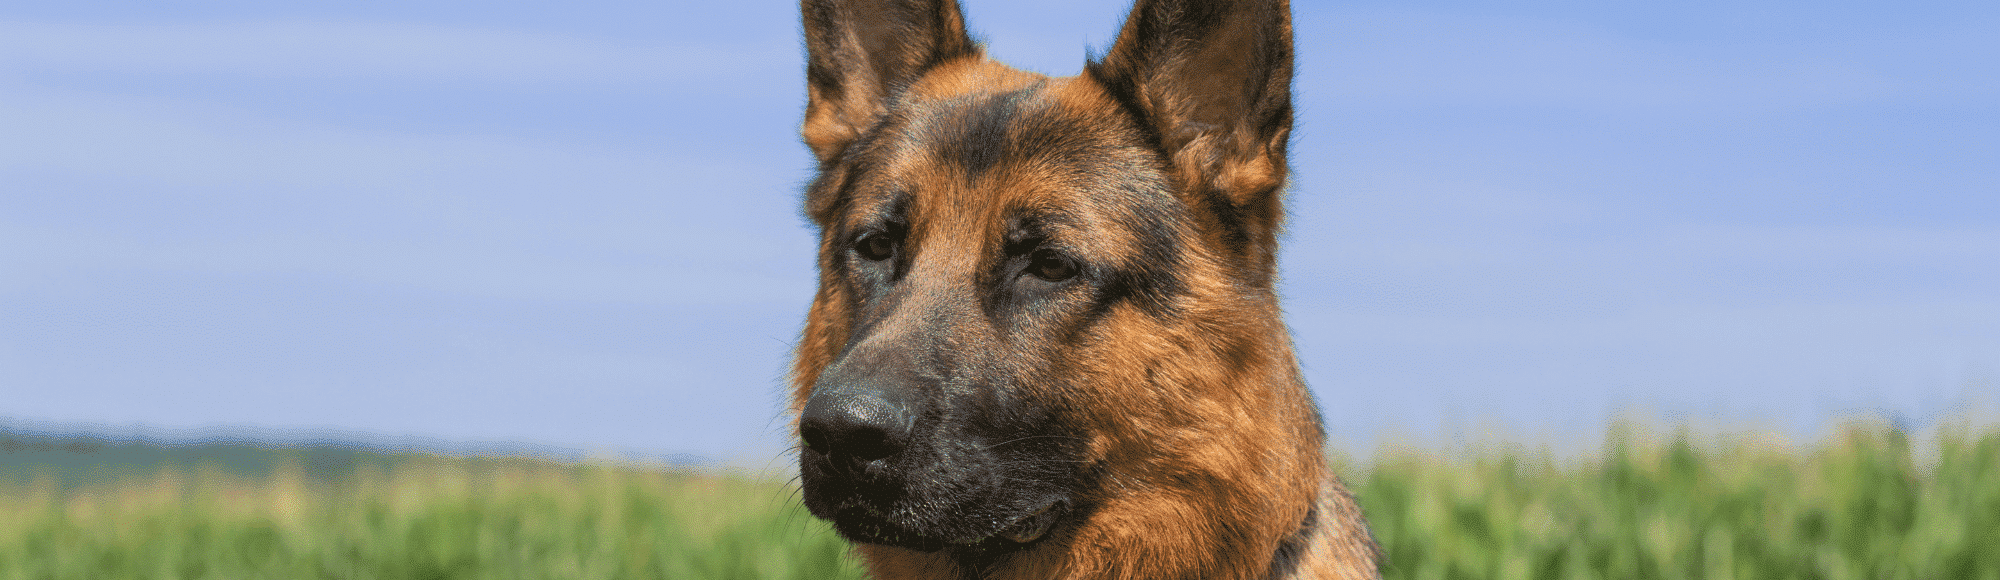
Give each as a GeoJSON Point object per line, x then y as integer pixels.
{"type": "Point", "coordinates": [866, 524]}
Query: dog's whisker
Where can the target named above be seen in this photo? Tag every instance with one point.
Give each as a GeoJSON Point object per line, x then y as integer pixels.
{"type": "Point", "coordinates": [1032, 437]}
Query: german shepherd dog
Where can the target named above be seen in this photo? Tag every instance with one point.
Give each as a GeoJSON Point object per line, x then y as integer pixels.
{"type": "Point", "coordinates": [1045, 342]}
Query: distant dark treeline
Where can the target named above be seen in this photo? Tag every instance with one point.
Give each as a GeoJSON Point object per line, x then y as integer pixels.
{"type": "Point", "coordinates": [75, 455]}
{"type": "Point", "coordinates": [81, 459]}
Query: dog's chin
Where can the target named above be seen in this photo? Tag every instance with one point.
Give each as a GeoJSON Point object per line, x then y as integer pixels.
{"type": "Point", "coordinates": [865, 525]}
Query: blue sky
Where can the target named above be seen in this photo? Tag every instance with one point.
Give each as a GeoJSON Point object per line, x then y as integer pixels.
{"type": "Point", "coordinates": [576, 224]}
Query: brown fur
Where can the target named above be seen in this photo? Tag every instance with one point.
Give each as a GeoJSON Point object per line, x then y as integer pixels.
{"type": "Point", "coordinates": [1150, 399]}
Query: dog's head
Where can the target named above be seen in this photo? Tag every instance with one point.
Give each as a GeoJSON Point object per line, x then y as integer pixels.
{"type": "Point", "coordinates": [1032, 289]}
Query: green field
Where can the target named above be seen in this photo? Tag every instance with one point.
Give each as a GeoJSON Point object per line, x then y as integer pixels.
{"type": "Point", "coordinates": [1869, 502]}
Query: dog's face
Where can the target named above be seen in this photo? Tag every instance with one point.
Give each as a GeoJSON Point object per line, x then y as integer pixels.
{"type": "Point", "coordinates": [975, 238]}
{"type": "Point", "coordinates": [1030, 285]}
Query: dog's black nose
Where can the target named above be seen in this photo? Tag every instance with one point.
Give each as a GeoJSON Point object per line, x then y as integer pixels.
{"type": "Point", "coordinates": [854, 423]}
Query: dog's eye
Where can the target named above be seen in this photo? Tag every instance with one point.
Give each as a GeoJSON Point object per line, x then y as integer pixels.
{"type": "Point", "coordinates": [876, 246]}
{"type": "Point", "coordinates": [1050, 265]}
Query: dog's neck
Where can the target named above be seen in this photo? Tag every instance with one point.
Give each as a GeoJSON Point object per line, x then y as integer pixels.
{"type": "Point", "coordinates": [1329, 543]}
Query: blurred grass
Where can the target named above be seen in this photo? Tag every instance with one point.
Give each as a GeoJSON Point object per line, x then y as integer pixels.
{"type": "Point", "coordinates": [1863, 504]}
{"type": "Point", "coordinates": [419, 518]}
{"type": "Point", "coordinates": [1870, 502]}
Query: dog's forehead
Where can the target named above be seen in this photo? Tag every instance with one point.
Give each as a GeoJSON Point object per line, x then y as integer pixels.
{"type": "Point", "coordinates": [985, 119]}
{"type": "Point", "coordinates": [978, 142]}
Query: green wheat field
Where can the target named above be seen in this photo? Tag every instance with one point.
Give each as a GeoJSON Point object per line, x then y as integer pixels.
{"type": "Point", "coordinates": [1867, 502]}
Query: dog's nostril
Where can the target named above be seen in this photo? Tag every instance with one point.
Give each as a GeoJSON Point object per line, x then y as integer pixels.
{"type": "Point", "coordinates": [869, 444]}
{"type": "Point", "coordinates": [814, 436]}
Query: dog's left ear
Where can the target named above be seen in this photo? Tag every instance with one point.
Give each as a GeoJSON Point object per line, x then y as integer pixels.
{"type": "Point", "coordinates": [1212, 80]}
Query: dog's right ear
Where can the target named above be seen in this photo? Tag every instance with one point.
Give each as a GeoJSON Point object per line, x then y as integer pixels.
{"type": "Point", "coordinates": [1213, 80]}
{"type": "Point", "coordinates": [859, 53]}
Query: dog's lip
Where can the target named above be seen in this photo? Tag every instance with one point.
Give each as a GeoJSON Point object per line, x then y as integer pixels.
{"type": "Point", "coordinates": [866, 523]}
{"type": "Point", "coordinates": [1032, 526]}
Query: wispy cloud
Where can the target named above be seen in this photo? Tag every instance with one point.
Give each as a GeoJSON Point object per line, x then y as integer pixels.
{"type": "Point", "coordinates": [367, 50]}
{"type": "Point", "coordinates": [1446, 58]}
{"type": "Point", "coordinates": [1475, 251]}
{"type": "Point", "coordinates": [120, 182]}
